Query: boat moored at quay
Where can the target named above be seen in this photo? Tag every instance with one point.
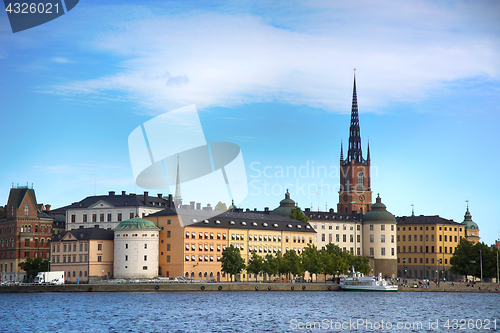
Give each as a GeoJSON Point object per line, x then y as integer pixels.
{"type": "Point", "coordinates": [359, 282]}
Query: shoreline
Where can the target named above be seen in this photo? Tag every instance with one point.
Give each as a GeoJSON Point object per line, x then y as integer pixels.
{"type": "Point", "coordinates": [227, 286]}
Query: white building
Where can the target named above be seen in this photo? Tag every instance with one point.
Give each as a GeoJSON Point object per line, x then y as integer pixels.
{"type": "Point", "coordinates": [107, 211]}
{"type": "Point", "coordinates": [136, 249]}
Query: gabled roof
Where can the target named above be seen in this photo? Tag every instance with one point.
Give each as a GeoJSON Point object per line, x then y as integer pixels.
{"type": "Point", "coordinates": [17, 195]}
{"type": "Point", "coordinates": [85, 234]}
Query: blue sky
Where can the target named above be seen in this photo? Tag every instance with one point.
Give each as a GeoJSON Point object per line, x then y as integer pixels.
{"type": "Point", "coordinates": [274, 79]}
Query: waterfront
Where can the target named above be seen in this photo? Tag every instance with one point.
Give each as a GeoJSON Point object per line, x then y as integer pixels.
{"type": "Point", "coordinates": [241, 311]}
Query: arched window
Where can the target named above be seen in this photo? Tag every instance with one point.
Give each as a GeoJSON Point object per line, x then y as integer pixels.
{"type": "Point", "coordinates": [346, 182]}
{"type": "Point", "coordinates": [36, 227]}
{"type": "Point", "coordinates": [26, 210]}
{"type": "Point", "coordinates": [361, 181]}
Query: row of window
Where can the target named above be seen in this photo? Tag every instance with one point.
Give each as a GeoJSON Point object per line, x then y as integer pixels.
{"type": "Point", "coordinates": [432, 228]}
{"type": "Point", "coordinates": [206, 247]}
{"type": "Point", "coordinates": [80, 274]}
{"type": "Point", "coordinates": [25, 228]}
{"type": "Point", "coordinates": [200, 258]}
{"type": "Point", "coordinates": [27, 254]}
{"type": "Point", "coordinates": [382, 238]}
{"type": "Point", "coordinates": [337, 226]}
{"type": "Point", "coordinates": [408, 260]}
{"type": "Point", "coordinates": [382, 251]}
{"type": "Point", "coordinates": [421, 248]}
{"type": "Point", "coordinates": [27, 242]}
{"type": "Point", "coordinates": [145, 258]}
{"type": "Point", "coordinates": [207, 275]}
{"type": "Point", "coordinates": [208, 236]}
{"type": "Point", "coordinates": [69, 258]}
{"type": "Point", "coordinates": [446, 238]}
{"type": "Point", "coordinates": [68, 247]}
{"type": "Point", "coordinates": [142, 235]}
{"type": "Point", "coordinates": [109, 217]}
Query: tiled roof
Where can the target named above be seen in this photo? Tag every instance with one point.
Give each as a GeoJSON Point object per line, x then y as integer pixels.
{"type": "Point", "coordinates": [337, 217]}
{"type": "Point", "coordinates": [119, 200]}
{"type": "Point", "coordinates": [254, 221]}
{"type": "Point", "coordinates": [434, 219]}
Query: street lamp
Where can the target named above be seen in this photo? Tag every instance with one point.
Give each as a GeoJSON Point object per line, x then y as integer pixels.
{"type": "Point", "coordinates": [439, 261]}
{"type": "Point", "coordinates": [473, 262]}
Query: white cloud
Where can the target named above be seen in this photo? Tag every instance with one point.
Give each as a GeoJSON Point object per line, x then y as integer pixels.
{"type": "Point", "coordinates": [60, 60]}
{"type": "Point", "coordinates": [402, 52]}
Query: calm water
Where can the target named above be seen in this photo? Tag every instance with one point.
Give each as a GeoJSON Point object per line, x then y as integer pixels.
{"type": "Point", "coordinates": [245, 312]}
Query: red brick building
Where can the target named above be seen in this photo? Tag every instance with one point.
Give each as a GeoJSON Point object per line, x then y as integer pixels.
{"type": "Point", "coordinates": [25, 232]}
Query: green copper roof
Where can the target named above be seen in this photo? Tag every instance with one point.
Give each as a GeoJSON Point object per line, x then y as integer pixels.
{"type": "Point", "coordinates": [136, 223]}
{"type": "Point", "coordinates": [379, 213]}
{"type": "Point", "coordinates": [469, 224]}
{"type": "Point", "coordinates": [285, 207]}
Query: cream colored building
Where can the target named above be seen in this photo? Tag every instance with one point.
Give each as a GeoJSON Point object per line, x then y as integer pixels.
{"type": "Point", "coordinates": [341, 229]}
{"type": "Point", "coordinates": [379, 241]}
{"type": "Point", "coordinates": [85, 254]}
{"type": "Point", "coordinates": [136, 249]}
{"type": "Point", "coordinates": [107, 211]}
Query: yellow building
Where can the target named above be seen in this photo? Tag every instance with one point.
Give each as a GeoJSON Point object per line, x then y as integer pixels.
{"type": "Point", "coordinates": [84, 254]}
{"type": "Point", "coordinates": [192, 247]}
{"type": "Point", "coordinates": [425, 245]}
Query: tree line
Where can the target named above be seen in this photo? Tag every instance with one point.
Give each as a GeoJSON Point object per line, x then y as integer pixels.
{"type": "Point", "coordinates": [328, 261]}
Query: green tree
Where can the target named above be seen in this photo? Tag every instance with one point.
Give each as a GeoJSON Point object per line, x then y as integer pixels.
{"type": "Point", "coordinates": [462, 261]}
{"type": "Point", "coordinates": [312, 261]}
{"type": "Point", "coordinates": [255, 264]}
{"type": "Point", "coordinates": [33, 266]}
{"type": "Point", "coordinates": [361, 264]}
{"type": "Point", "coordinates": [232, 262]}
{"type": "Point", "coordinates": [270, 265]}
{"type": "Point", "coordinates": [296, 214]}
{"type": "Point", "coordinates": [292, 263]}
{"type": "Point", "coordinates": [220, 207]}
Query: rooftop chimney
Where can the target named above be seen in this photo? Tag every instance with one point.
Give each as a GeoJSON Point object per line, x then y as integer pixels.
{"type": "Point", "coordinates": [331, 211]}
{"type": "Point", "coordinates": [198, 206]}
{"type": "Point", "coordinates": [111, 193]}
{"type": "Point", "coordinates": [123, 192]}
{"type": "Point", "coordinates": [170, 201]}
{"type": "Point", "coordinates": [266, 209]}
{"type": "Point", "coordinates": [191, 204]}
{"type": "Point", "coordinates": [47, 207]}
{"type": "Point", "coordinates": [160, 195]}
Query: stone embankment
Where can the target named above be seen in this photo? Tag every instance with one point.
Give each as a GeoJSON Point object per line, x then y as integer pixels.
{"type": "Point", "coordinates": [234, 286]}
{"type": "Point", "coordinates": [159, 287]}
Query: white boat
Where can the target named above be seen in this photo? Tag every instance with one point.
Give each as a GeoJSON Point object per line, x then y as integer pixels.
{"type": "Point", "coordinates": [359, 282]}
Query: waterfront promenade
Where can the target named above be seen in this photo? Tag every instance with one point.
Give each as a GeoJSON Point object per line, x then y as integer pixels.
{"type": "Point", "coordinates": [232, 286]}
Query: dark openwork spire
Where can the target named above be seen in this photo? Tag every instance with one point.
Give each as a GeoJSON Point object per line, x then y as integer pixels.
{"type": "Point", "coordinates": [341, 151]}
{"type": "Point", "coordinates": [354, 152]}
{"type": "Point", "coordinates": [368, 152]}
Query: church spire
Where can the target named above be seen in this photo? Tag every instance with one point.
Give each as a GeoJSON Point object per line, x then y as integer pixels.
{"type": "Point", "coordinates": [368, 153]}
{"type": "Point", "coordinates": [354, 152]}
{"type": "Point", "coordinates": [177, 197]}
{"type": "Point", "coordinates": [341, 151]}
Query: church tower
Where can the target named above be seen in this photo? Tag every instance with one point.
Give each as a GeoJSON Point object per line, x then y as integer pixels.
{"type": "Point", "coordinates": [355, 195]}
